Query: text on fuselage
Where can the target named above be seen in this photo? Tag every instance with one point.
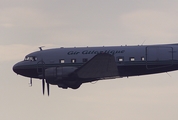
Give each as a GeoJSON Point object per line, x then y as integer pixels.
{"type": "Point", "coordinates": [87, 52]}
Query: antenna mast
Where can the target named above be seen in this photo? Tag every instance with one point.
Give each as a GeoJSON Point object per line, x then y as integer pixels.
{"type": "Point", "coordinates": [41, 48]}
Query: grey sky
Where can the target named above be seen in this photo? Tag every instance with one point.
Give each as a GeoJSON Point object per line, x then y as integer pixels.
{"type": "Point", "coordinates": [27, 24]}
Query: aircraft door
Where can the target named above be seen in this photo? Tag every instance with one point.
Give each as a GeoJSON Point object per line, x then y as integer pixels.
{"type": "Point", "coordinates": [157, 57]}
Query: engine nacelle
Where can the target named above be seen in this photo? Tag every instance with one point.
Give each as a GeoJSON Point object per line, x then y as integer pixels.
{"type": "Point", "coordinates": [57, 73]}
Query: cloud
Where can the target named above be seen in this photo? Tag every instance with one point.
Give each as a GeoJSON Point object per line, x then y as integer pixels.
{"type": "Point", "coordinates": [150, 23]}
{"type": "Point", "coordinates": [26, 17]}
{"type": "Point", "coordinates": [13, 52]}
{"type": "Point", "coordinates": [17, 51]}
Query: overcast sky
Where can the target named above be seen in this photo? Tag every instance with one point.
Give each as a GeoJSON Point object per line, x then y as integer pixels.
{"type": "Point", "coordinates": [27, 24]}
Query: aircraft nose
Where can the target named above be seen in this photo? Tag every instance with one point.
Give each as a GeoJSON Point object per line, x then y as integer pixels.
{"type": "Point", "coordinates": [22, 68]}
{"type": "Point", "coordinates": [16, 68]}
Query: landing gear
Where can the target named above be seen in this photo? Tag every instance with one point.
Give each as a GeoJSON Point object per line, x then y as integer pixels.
{"type": "Point", "coordinates": [62, 86]}
{"type": "Point", "coordinates": [73, 86]}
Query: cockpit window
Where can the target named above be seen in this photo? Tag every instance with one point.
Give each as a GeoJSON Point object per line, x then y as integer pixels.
{"type": "Point", "coordinates": [30, 58]}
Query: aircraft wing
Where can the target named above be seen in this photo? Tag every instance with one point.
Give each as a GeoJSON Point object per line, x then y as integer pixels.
{"type": "Point", "coordinates": [102, 65]}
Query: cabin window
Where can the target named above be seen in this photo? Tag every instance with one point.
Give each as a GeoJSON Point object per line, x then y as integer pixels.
{"type": "Point", "coordinates": [73, 60]}
{"type": "Point", "coordinates": [132, 59]}
{"type": "Point", "coordinates": [120, 59]}
{"type": "Point", "coordinates": [142, 58]}
{"type": "Point", "coordinates": [85, 60]}
{"type": "Point", "coordinates": [62, 61]}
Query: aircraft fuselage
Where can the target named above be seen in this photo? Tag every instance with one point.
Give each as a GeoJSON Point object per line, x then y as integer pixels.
{"type": "Point", "coordinates": [65, 66]}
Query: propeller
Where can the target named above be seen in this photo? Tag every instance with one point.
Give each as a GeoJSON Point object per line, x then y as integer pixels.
{"type": "Point", "coordinates": [48, 88]}
{"type": "Point", "coordinates": [43, 86]}
{"type": "Point", "coordinates": [43, 82]}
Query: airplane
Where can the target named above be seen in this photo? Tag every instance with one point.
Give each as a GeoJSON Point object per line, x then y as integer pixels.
{"type": "Point", "coordinates": [71, 67]}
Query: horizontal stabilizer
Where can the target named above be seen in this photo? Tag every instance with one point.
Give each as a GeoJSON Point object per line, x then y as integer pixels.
{"type": "Point", "coordinates": [102, 65]}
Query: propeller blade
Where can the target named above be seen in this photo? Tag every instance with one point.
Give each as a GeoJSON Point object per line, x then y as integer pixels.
{"type": "Point", "coordinates": [43, 86]}
{"type": "Point", "coordinates": [43, 80]}
{"type": "Point", "coordinates": [48, 88]}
